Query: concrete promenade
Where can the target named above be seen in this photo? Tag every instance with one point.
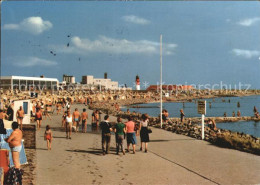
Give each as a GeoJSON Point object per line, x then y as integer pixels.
{"type": "Point", "coordinates": [171, 159]}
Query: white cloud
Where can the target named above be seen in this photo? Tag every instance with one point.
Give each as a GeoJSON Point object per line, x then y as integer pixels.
{"type": "Point", "coordinates": [245, 53]}
{"type": "Point", "coordinates": [32, 61]}
{"type": "Point", "coordinates": [33, 25]}
{"type": "Point", "coordinates": [249, 21]}
{"type": "Point", "coordinates": [114, 46]}
{"type": "Point", "coordinates": [136, 20]}
{"type": "Point", "coordinates": [11, 26]}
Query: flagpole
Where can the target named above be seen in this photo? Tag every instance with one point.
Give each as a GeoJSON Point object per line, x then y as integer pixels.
{"type": "Point", "coordinates": [161, 80]}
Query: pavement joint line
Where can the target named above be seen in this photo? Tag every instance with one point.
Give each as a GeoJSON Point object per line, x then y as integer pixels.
{"type": "Point", "coordinates": [184, 167]}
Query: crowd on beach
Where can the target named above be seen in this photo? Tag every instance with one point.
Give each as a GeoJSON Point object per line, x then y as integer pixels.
{"type": "Point", "coordinates": [109, 102]}
{"type": "Point", "coordinates": [72, 121]}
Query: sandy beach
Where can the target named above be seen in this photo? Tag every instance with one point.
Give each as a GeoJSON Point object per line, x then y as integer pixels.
{"type": "Point", "coordinates": [171, 159]}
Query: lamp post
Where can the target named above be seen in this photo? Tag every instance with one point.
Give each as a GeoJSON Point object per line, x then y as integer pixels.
{"type": "Point", "coordinates": [161, 80]}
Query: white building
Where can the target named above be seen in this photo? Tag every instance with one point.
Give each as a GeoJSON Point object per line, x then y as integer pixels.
{"type": "Point", "coordinates": [25, 83]}
{"type": "Point", "coordinates": [107, 83]}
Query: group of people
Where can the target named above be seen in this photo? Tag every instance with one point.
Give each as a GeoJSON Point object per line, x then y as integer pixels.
{"type": "Point", "coordinates": [234, 114]}
{"type": "Point", "coordinates": [165, 116]}
{"type": "Point", "coordinates": [124, 131]}
{"type": "Point", "coordinates": [72, 121]}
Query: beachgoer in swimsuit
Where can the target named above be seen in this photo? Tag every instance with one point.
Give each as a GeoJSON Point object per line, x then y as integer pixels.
{"type": "Point", "coordinates": [38, 118]}
{"type": "Point", "coordinates": [15, 143]}
{"type": "Point", "coordinates": [84, 117]}
{"type": "Point", "coordinates": [20, 116]}
{"type": "Point", "coordinates": [76, 119]}
{"type": "Point", "coordinates": [48, 136]}
{"type": "Point", "coordinates": [68, 125]}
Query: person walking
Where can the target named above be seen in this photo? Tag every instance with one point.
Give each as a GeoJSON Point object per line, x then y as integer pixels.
{"type": "Point", "coordinates": [106, 129]}
{"type": "Point", "coordinates": [48, 136]}
{"type": "Point", "coordinates": [76, 119]}
{"type": "Point", "coordinates": [130, 133]}
{"type": "Point", "coordinates": [38, 118]}
{"type": "Point", "coordinates": [120, 131]}
{"type": "Point", "coordinates": [84, 117]}
{"type": "Point", "coordinates": [144, 135]}
{"type": "Point", "coordinates": [20, 116]}
{"type": "Point", "coordinates": [68, 125]}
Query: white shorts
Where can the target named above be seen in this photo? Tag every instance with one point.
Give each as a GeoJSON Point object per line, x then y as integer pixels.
{"type": "Point", "coordinates": [16, 149]}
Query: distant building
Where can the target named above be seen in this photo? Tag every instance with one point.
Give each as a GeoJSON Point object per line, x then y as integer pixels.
{"type": "Point", "coordinates": [170, 87]}
{"type": "Point", "coordinates": [25, 83]}
{"type": "Point", "coordinates": [69, 79]}
{"type": "Point", "coordinates": [105, 83]}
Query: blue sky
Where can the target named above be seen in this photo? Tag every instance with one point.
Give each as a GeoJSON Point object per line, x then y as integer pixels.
{"type": "Point", "coordinates": [203, 42]}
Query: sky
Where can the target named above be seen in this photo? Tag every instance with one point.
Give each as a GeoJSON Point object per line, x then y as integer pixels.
{"type": "Point", "coordinates": [203, 42]}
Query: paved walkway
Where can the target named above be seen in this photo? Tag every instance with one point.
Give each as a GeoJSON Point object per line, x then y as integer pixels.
{"type": "Point", "coordinates": [171, 159]}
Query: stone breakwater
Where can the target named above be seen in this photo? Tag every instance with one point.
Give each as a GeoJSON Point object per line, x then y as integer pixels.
{"type": "Point", "coordinates": [219, 137]}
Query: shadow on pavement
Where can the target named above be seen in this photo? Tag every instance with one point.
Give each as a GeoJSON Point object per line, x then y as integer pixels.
{"type": "Point", "coordinates": [41, 149]}
{"type": "Point", "coordinates": [59, 137]}
{"type": "Point", "coordinates": [162, 140]}
{"type": "Point", "coordinates": [87, 151]}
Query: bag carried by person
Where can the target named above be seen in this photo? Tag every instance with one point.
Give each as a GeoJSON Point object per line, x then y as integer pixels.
{"type": "Point", "coordinates": [14, 176]}
{"type": "Point", "coordinates": [149, 130]}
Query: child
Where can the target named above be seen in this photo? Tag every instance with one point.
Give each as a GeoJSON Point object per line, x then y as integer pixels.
{"type": "Point", "coordinates": [48, 136]}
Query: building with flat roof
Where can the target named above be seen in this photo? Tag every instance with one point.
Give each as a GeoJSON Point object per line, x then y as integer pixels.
{"type": "Point", "coordinates": [25, 83]}
{"type": "Point", "coordinates": [69, 79]}
{"type": "Point", "coordinates": [103, 82]}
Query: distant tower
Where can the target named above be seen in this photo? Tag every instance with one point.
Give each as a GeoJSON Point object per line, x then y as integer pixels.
{"type": "Point", "coordinates": [137, 83]}
{"type": "Point", "coordinates": [105, 75]}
